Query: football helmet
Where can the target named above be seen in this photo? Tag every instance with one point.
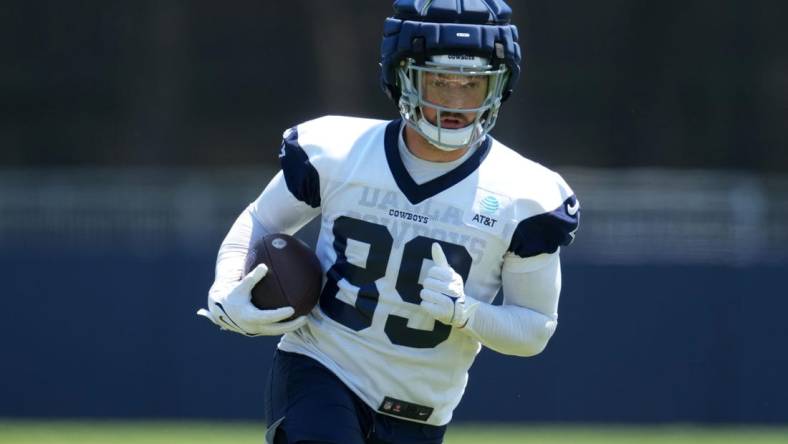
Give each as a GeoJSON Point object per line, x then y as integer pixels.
{"type": "Point", "coordinates": [459, 41]}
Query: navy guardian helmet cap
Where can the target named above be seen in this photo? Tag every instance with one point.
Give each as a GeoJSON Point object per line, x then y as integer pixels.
{"type": "Point", "coordinates": [422, 28]}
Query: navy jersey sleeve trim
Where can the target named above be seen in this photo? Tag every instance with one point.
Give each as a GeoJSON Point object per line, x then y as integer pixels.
{"type": "Point", "coordinates": [545, 232]}
{"type": "Point", "coordinates": [418, 193]}
{"type": "Point", "coordinates": [301, 177]}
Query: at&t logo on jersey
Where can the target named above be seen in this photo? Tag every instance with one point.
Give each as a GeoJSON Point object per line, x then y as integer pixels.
{"type": "Point", "coordinates": [485, 220]}
{"type": "Point", "coordinates": [490, 205]}
{"type": "Point", "coordinates": [486, 212]}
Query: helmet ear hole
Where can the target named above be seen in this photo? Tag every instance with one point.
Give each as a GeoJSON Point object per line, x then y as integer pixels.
{"type": "Point", "coordinates": [417, 48]}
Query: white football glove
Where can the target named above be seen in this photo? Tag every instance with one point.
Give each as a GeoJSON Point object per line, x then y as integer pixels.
{"type": "Point", "coordinates": [443, 295]}
{"type": "Point", "coordinates": [230, 307]}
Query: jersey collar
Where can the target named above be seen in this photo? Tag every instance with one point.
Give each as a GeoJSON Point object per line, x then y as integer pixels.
{"type": "Point", "coordinates": [418, 193]}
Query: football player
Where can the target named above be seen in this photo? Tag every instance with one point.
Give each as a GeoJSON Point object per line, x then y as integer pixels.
{"type": "Point", "coordinates": [422, 220]}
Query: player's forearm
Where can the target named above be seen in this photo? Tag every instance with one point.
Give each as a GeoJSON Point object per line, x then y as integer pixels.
{"type": "Point", "coordinates": [527, 319]}
{"type": "Point", "coordinates": [274, 211]}
{"type": "Point", "coordinates": [231, 259]}
{"type": "Point", "coordinates": [510, 329]}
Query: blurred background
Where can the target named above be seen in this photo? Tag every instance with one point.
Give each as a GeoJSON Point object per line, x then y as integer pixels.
{"type": "Point", "coordinates": [133, 133]}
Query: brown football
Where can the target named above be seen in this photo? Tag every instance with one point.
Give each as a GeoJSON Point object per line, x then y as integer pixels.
{"type": "Point", "coordinates": [294, 276]}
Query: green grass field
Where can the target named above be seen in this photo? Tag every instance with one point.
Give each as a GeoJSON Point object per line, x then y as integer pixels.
{"type": "Point", "coordinates": [63, 432]}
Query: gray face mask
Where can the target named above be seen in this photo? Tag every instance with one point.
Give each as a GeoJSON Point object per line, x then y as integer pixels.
{"type": "Point", "coordinates": [443, 79]}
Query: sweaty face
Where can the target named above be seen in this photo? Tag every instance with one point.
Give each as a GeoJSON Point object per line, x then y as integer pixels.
{"type": "Point", "coordinates": [452, 91]}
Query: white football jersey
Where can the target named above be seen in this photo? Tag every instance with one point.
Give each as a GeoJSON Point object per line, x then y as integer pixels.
{"type": "Point", "coordinates": [377, 228]}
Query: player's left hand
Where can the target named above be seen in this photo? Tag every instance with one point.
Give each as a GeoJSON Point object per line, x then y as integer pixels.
{"type": "Point", "coordinates": [230, 307]}
{"type": "Point", "coordinates": [443, 295]}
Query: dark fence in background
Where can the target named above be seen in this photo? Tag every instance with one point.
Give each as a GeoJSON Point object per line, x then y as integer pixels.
{"type": "Point", "coordinates": [610, 83]}
{"type": "Point", "coordinates": [102, 272]}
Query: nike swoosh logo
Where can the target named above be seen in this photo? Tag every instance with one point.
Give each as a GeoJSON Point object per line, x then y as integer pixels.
{"type": "Point", "coordinates": [572, 209]}
{"type": "Point", "coordinates": [231, 320]}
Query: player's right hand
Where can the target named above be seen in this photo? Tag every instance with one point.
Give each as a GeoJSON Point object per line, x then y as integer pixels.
{"type": "Point", "coordinates": [230, 307]}
{"type": "Point", "coordinates": [443, 293]}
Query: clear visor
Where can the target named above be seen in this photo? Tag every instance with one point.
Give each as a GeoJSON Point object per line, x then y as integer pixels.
{"type": "Point", "coordinates": [457, 89]}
